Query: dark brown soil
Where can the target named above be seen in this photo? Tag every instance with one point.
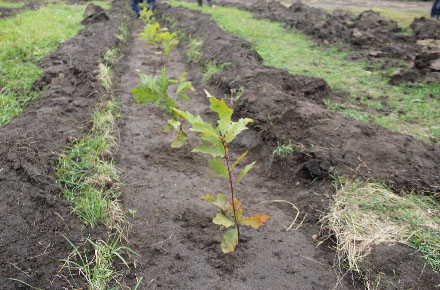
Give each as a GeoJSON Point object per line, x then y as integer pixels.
{"type": "Point", "coordinates": [34, 215]}
{"type": "Point", "coordinates": [287, 108]}
{"type": "Point", "coordinates": [172, 228]}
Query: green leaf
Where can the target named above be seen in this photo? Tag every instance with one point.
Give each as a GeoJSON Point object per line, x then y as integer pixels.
{"type": "Point", "coordinates": [230, 240]}
{"type": "Point", "coordinates": [245, 170]}
{"type": "Point", "coordinates": [214, 151]}
{"type": "Point", "coordinates": [236, 128]}
{"type": "Point", "coordinates": [221, 201]}
{"type": "Point", "coordinates": [239, 159]}
{"type": "Point", "coordinates": [223, 220]}
{"type": "Point", "coordinates": [189, 117]}
{"type": "Point", "coordinates": [223, 111]}
{"type": "Point", "coordinates": [255, 221]}
{"type": "Point", "coordinates": [172, 125]}
{"type": "Point", "coordinates": [183, 86]}
{"type": "Point", "coordinates": [218, 168]}
{"type": "Point", "coordinates": [180, 140]}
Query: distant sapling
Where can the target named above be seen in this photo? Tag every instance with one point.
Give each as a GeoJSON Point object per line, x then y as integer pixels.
{"type": "Point", "coordinates": [215, 143]}
{"type": "Point", "coordinates": [154, 90]}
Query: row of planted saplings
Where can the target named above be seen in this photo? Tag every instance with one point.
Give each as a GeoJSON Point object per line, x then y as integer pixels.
{"type": "Point", "coordinates": [214, 139]}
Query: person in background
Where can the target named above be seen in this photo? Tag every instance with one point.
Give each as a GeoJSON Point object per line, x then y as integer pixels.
{"type": "Point", "coordinates": [135, 7]}
{"type": "Point", "coordinates": [199, 2]}
{"type": "Point", "coordinates": [435, 11]}
{"type": "Point", "coordinates": [152, 4]}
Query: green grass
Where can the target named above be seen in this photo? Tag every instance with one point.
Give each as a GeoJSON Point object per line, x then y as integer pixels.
{"type": "Point", "coordinates": [193, 52]}
{"type": "Point", "coordinates": [98, 270]}
{"type": "Point", "coordinates": [24, 41]}
{"type": "Point", "coordinates": [213, 69]}
{"type": "Point", "coordinates": [5, 4]}
{"type": "Point", "coordinates": [90, 181]}
{"type": "Point", "coordinates": [410, 110]}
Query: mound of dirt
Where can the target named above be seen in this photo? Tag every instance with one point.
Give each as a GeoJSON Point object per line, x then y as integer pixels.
{"type": "Point", "coordinates": [34, 215]}
{"type": "Point", "coordinates": [399, 266]}
{"type": "Point", "coordinates": [369, 35]}
{"type": "Point", "coordinates": [94, 14]}
{"type": "Point", "coordinates": [290, 108]}
{"type": "Point", "coordinates": [424, 28]}
{"type": "Point", "coordinates": [366, 33]}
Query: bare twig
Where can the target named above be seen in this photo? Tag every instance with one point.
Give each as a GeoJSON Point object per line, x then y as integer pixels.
{"type": "Point", "coordinates": [294, 207]}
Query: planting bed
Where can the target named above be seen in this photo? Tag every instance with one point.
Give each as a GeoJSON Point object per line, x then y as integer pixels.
{"type": "Point", "coordinates": [34, 215]}
{"type": "Point", "coordinates": [171, 228]}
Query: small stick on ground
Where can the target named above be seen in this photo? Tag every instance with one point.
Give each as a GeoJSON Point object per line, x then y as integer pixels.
{"type": "Point", "coordinates": [294, 207]}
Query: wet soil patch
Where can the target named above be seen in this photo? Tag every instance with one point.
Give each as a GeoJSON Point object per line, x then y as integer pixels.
{"type": "Point", "coordinates": [34, 214]}
{"type": "Point", "coordinates": [289, 107]}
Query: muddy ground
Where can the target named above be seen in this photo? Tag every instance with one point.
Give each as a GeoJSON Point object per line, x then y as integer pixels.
{"type": "Point", "coordinates": [172, 228]}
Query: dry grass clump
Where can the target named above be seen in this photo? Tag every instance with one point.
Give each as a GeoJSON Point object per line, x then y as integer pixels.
{"type": "Point", "coordinates": [365, 214]}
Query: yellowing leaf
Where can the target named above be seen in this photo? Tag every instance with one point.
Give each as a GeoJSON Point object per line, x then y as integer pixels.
{"type": "Point", "coordinates": [238, 209]}
{"type": "Point", "coordinates": [180, 140]}
{"type": "Point", "coordinates": [230, 240]}
{"type": "Point", "coordinates": [239, 159]}
{"type": "Point", "coordinates": [221, 201]}
{"type": "Point", "coordinates": [245, 170]}
{"type": "Point", "coordinates": [218, 168]}
{"type": "Point", "coordinates": [255, 221]}
{"type": "Point", "coordinates": [223, 220]}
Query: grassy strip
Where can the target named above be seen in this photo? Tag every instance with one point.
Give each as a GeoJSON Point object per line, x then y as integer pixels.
{"type": "Point", "coordinates": [5, 4]}
{"type": "Point", "coordinates": [410, 110]}
{"type": "Point", "coordinates": [364, 214]}
{"type": "Point", "coordinates": [90, 181]}
{"type": "Point", "coordinates": [24, 41]}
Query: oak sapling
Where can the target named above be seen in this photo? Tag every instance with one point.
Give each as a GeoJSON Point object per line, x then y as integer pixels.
{"type": "Point", "coordinates": [215, 143]}
{"type": "Point", "coordinates": [154, 90]}
{"type": "Point", "coordinates": [153, 33]}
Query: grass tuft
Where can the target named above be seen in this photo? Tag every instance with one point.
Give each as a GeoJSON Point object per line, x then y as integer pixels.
{"type": "Point", "coordinates": [193, 52]}
{"type": "Point", "coordinates": [99, 270]}
{"type": "Point", "coordinates": [364, 214]}
{"type": "Point", "coordinates": [212, 69]}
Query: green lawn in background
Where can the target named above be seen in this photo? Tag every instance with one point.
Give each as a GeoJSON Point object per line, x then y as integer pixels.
{"type": "Point", "coordinates": [24, 40]}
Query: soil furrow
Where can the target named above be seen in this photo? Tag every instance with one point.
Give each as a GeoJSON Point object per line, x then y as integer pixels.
{"type": "Point", "coordinates": [172, 228]}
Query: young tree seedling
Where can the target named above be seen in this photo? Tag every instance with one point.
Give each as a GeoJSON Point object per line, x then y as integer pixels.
{"type": "Point", "coordinates": [154, 90]}
{"type": "Point", "coordinates": [153, 33]}
{"type": "Point", "coordinates": [215, 143]}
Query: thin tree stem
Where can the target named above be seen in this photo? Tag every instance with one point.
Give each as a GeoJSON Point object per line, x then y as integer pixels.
{"type": "Point", "coordinates": [232, 187]}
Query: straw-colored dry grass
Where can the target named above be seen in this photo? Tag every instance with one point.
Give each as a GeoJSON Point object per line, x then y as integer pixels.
{"type": "Point", "coordinates": [365, 214]}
